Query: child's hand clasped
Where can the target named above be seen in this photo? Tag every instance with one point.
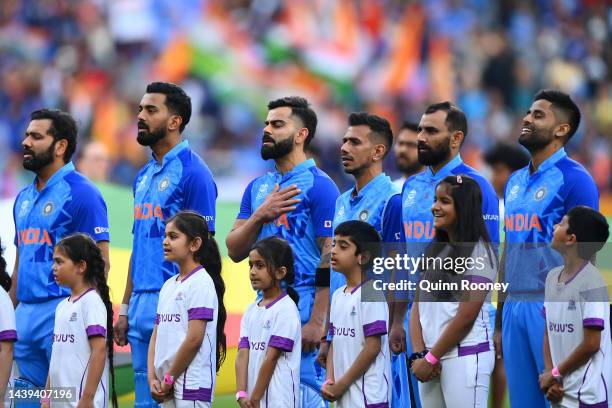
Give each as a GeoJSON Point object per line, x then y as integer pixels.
{"type": "Point", "coordinates": [425, 371]}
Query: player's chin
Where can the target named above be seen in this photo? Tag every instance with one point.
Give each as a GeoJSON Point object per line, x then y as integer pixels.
{"type": "Point", "coordinates": [168, 256]}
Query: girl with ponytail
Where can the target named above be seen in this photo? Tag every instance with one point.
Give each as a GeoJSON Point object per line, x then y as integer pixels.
{"type": "Point", "coordinates": [82, 352]}
{"type": "Point", "coordinates": [188, 343]}
{"type": "Point", "coordinates": [8, 332]}
{"type": "Point", "coordinates": [269, 351]}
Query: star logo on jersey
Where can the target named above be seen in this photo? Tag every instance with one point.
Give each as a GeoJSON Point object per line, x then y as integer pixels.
{"type": "Point", "coordinates": [164, 183]}
{"type": "Point", "coordinates": [539, 194]}
{"type": "Point", "coordinates": [571, 305]}
{"type": "Point", "coordinates": [353, 311]}
{"type": "Point", "coordinates": [179, 296]}
{"type": "Point", "coordinates": [47, 208]}
{"type": "Point", "coordinates": [513, 193]}
{"type": "Point", "coordinates": [410, 198]}
{"type": "Point", "coordinates": [73, 317]}
{"type": "Point", "coordinates": [261, 193]}
{"type": "Point", "coordinates": [267, 324]}
{"type": "Point", "coordinates": [363, 216]}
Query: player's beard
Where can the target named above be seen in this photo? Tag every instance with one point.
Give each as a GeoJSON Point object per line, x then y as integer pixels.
{"type": "Point", "coordinates": [435, 156]}
{"type": "Point", "coordinates": [40, 160]}
{"type": "Point", "coordinates": [149, 138]}
{"type": "Point", "coordinates": [537, 140]}
{"type": "Point", "coordinates": [409, 167]}
{"type": "Point", "coordinates": [278, 149]}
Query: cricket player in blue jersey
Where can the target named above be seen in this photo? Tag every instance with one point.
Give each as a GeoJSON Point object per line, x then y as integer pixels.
{"type": "Point", "coordinates": [441, 132]}
{"type": "Point", "coordinates": [536, 198]}
{"type": "Point", "coordinates": [175, 179]}
{"type": "Point", "coordinates": [59, 202]}
{"type": "Point", "coordinates": [296, 202]}
{"type": "Point", "coordinates": [374, 198]}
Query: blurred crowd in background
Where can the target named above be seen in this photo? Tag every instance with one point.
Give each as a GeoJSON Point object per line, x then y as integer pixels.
{"type": "Point", "coordinates": [94, 58]}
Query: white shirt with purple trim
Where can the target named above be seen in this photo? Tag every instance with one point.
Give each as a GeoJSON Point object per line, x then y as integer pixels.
{"type": "Point", "coordinates": [76, 321]}
{"type": "Point", "coordinates": [180, 301]}
{"type": "Point", "coordinates": [569, 307]}
{"type": "Point", "coordinates": [351, 321]}
{"type": "Point", "coordinates": [8, 331]}
{"type": "Point", "coordinates": [275, 325]}
{"type": "Point", "coordinates": [435, 313]}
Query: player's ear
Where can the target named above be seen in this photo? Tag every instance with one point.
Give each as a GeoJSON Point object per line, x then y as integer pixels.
{"type": "Point", "coordinates": [379, 152]}
{"type": "Point", "coordinates": [81, 267]}
{"type": "Point", "coordinates": [456, 139]}
{"type": "Point", "coordinates": [195, 244]}
{"type": "Point", "coordinates": [60, 147]}
{"type": "Point", "coordinates": [365, 257]}
{"type": "Point", "coordinates": [280, 273]}
{"type": "Point", "coordinates": [174, 123]}
{"type": "Point", "coordinates": [301, 136]}
{"type": "Point", "coordinates": [562, 130]}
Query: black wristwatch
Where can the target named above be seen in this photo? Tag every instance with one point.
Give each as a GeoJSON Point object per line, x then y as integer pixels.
{"type": "Point", "coordinates": [416, 356]}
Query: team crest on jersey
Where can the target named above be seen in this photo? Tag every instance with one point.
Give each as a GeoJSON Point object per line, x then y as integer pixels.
{"type": "Point", "coordinates": [539, 194]}
{"type": "Point", "coordinates": [164, 183]}
{"type": "Point", "coordinates": [363, 216]}
{"type": "Point", "coordinates": [73, 317]}
{"type": "Point", "coordinates": [410, 198]}
{"type": "Point", "coordinates": [179, 296]}
{"type": "Point", "coordinates": [47, 208]}
{"type": "Point", "coordinates": [571, 305]}
{"type": "Point", "coordinates": [261, 193]}
{"type": "Point", "coordinates": [267, 324]}
{"type": "Point", "coordinates": [513, 193]}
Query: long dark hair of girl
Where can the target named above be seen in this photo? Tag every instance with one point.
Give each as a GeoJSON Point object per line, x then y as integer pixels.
{"type": "Point", "coordinates": [470, 227]}
{"type": "Point", "coordinates": [194, 225]}
{"type": "Point", "coordinates": [277, 253]}
{"type": "Point", "coordinates": [5, 279]}
{"type": "Point", "coordinates": [80, 247]}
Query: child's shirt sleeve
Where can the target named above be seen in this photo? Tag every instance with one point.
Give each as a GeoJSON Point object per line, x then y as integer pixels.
{"type": "Point", "coordinates": [374, 318]}
{"type": "Point", "coordinates": [244, 330]}
{"type": "Point", "coordinates": [201, 300]}
{"type": "Point", "coordinates": [284, 331]}
{"type": "Point", "coordinates": [94, 316]}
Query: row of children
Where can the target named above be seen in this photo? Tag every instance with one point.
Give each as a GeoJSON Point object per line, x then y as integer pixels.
{"type": "Point", "coordinates": [455, 354]}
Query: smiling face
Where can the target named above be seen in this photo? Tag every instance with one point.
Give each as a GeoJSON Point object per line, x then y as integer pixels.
{"type": "Point", "coordinates": [539, 126]}
{"type": "Point", "coordinates": [153, 118]}
{"type": "Point", "coordinates": [443, 209]}
{"type": "Point", "coordinates": [65, 271]}
{"type": "Point", "coordinates": [281, 128]}
{"type": "Point", "coordinates": [39, 147]}
{"type": "Point", "coordinates": [433, 138]}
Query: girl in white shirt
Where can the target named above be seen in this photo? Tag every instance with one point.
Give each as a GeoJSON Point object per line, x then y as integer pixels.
{"type": "Point", "coordinates": [82, 352]}
{"type": "Point", "coordinates": [188, 343]}
{"type": "Point", "coordinates": [8, 332]}
{"type": "Point", "coordinates": [269, 351]}
{"type": "Point", "coordinates": [449, 326]}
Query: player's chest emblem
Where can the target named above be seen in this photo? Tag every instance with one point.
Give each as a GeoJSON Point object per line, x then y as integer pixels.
{"type": "Point", "coordinates": [163, 184]}
{"type": "Point", "coordinates": [267, 325]}
{"type": "Point", "coordinates": [24, 207]}
{"type": "Point", "coordinates": [410, 198]}
{"type": "Point", "coordinates": [513, 194]}
{"type": "Point", "coordinates": [142, 183]}
{"type": "Point", "coordinates": [47, 208]}
{"type": "Point", "coordinates": [539, 194]}
{"type": "Point", "coordinates": [179, 296]}
{"type": "Point", "coordinates": [73, 317]}
{"type": "Point", "coordinates": [341, 213]}
{"type": "Point", "coordinates": [571, 305]}
{"type": "Point", "coordinates": [353, 311]}
{"type": "Point", "coordinates": [262, 192]}
{"type": "Point", "coordinates": [363, 216]}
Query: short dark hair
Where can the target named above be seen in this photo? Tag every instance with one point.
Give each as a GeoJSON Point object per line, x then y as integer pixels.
{"type": "Point", "coordinates": [63, 126]}
{"type": "Point", "coordinates": [378, 125]}
{"type": "Point", "coordinates": [591, 230]}
{"type": "Point", "coordinates": [177, 101]}
{"type": "Point", "coordinates": [509, 154]}
{"type": "Point", "coordinates": [564, 103]}
{"type": "Point", "coordinates": [363, 235]}
{"type": "Point", "coordinates": [408, 125]}
{"type": "Point", "coordinates": [300, 108]}
{"type": "Point", "coordinates": [455, 118]}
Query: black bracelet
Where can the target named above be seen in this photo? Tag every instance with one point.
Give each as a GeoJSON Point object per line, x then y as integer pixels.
{"type": "Point", "coordinates": [415, 356]}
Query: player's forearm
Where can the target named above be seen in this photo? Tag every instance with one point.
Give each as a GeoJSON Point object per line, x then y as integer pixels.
{"type": "Point", "coordinates": [127, 294]}
{"type": "Point", "coordinates": [105, 251]}
{"type": "Point", "coordinates": [586, 349]}
{"type": "Point", "coordinates": [265, 373]}
{"type": "Point", "coordinates": [501, 296]}
{"type": "Point", "coordinates": [318, 314]}
{"type": "Point", "coordinates": [329, 364]}
{"type": "Point", "coordinates": [151, 355]}
{"type": "Point", "coordinates": [186, 353]}
{"type": "Point", "coordinates": [6, 363]}
{"type": "Point", "coordinates": [416, 331]}
{"type": "Point", "coordinates": [242, 369]}
{"type": "Point", "coordinates": [364, 360]}
{"type": "Point", "coordinates": [457, 328]}
{"type": "Point", "coordinates": [14, 277]}
{"type": "Point", "coordinates": [547, 357]}
{"type": "Point", "coordinates": [398, 311]}
{"type": "Point", "coordinates": [97, 361]}
{"type": "Point", "coordinates": [240, 240]}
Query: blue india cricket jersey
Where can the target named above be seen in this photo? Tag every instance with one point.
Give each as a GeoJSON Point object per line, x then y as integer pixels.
{"type": "Point", "coordinates": [181, 182]}
{"type": "Point", "coordinates": [311, 219]}
{"type": "Point", "coordinates": [534, 203]}
{"type": "Point", "coordinates": [69, 203]}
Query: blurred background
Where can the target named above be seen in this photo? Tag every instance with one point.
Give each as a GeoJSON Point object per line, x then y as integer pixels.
{"type": "Point", "coordinates": [94, 58]}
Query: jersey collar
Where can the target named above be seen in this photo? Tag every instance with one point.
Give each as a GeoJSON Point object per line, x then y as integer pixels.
{"type": "Point", "coordinates": [372, 184]}
{"type": "Point", "coordinates": [551, 161]}
{"type": "Point", "coordinates": [297, 169]}
{"type": "Point", "coordinates": [58, 175]}
{"type": "Point", "coordinates": [444, 171]}
{"type": "Point", "coordinates": [172, 153]}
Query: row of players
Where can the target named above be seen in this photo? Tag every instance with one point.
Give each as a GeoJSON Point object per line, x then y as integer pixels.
{"type": "Point", "coordinates": [299, 203]}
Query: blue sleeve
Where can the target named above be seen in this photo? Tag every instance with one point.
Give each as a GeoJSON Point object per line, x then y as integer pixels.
{"type": "Point", "coordinates": [246, 209]}
{"type": "Point", "coordinates": [490, 210]}
{"type": "Point", "coordinates": [322, 198]}
{"type": "Point", "coordinates": [201, 195]}
{"type": "Point", "coordinates": [15, 240]}
{"type": "Point", "coordinates": [392, 220]}
{"type": "Point", "coordinates": [580, 189]}
{"type": "Point", "coordinates": [89, 214]}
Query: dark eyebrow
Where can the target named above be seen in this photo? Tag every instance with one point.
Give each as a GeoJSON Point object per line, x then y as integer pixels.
{"type": "Point", "coordinates": [351, 138]}
{"type": "Point", "coordinates": [33, 134]}
{"type": "Point", "coordinates": [147, 106]}
{"type": "Point", "coordinates": [274, 121]}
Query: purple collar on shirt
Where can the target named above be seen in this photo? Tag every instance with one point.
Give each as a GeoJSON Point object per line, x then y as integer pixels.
{"type": "Point", "coordinates": [197, 268]}
{"type": "Point", "coordinates": [81, 295]}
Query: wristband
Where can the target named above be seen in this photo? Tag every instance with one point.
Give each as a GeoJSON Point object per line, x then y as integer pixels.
{"type": "Point", "coordinates": [168, 379]}
{"type": "Point", "coordinates": [123, 309]}
{"type": "Point", "coordinates": [555, 372]}
{"type": "Point", "coordinates": [322, 277]}
{"type": "Point", "coordinates": [241, 394]}
{"type": "Point", "coordinates": [431, 359]}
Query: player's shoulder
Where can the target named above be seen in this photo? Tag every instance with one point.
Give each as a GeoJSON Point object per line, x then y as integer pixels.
{"type": "Point", "coordinates": [80, 184]}
{"type": "Point", "coordinates": [202, 279]}
{"type": "Point", "coordinates": [5, 300]}
{"type": "Point", "coordinates": [92, 299]}
{"type": "Point", "coordinates": [573, 171]}
{"type": "Point", "coordinates": [473, 173]}
{"type": "Point", "coordinates": [553, 276]}
{"type": "Point", "coordinates": [321, 178]}
{"type": "Point", "coordinates": [322, 185]}
{"type": "Point", "coordinates": [338, 292]}
{"type": "Point", "coordinates": [193, 164]}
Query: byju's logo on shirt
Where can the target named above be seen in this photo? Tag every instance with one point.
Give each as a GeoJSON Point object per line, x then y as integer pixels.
{"type": "Point", "coordinates": [258, 345]}
{"type": "Point", "coordinates": [342, 331]}
{"type": "Point", "coordinates": [63, 338]}
{"type": "Point", "coordinates": [169, 317]}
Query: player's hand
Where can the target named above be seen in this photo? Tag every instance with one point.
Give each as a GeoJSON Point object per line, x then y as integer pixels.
{"type": "Point", "coordinates": [253, 403]}
{"type": "Point", "coordinates": [85, 403]}
{"type": "Point", "coordinates": [120, 331]}
{"type": "Point", "coordinates": [156, 390]}
{"type": "Point", "coordinates": [424, 371]}
{"type": "Point", "coordinates": [278, 203]}
{"type": "Point", "coordinates": [336, 389]}
{"type": "Point", "coordinates": [322, 355]}
{"type": "Point", "coordinates": [555, 393]}
{"type": "Point", "coordinates": [397, 338]}
{"type": "Point", "coordinates": [311, 336]}
{"type": "Point", "coordinates": [497, 344]}
{"type": "Point", "coordinates": [326, 393]}
{"type": "Point", "coordinates": [546, 380]}
{"type": "Point", "coordinates": [243, 403]}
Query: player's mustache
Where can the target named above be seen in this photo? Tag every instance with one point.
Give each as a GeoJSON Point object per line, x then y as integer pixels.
{"type": "Point", "coordinates": [267, 139]}
{"type": "Point", "coordinates": [142, 125]}
{"type": "Point", "coordinates": [423, 146]}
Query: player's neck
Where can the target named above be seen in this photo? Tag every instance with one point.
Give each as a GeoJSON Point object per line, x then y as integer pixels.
{"type": "Point", "coordinates": [538, 157]}
{"type": "Point", "coordinates": [363, 178]}
{"type": "Point", "coordinates": [572, 264]}
{"type": "Point", "coordinates": [186, 267]}
{"type": "Point", "coordinates": [163, 146]}
{"type": "Point", "coordinates": [288, 162]}
{"type": "Point", "coordinates": [77, 289]}
{"type": "Point", "coordinates": [354, 278]}
{"type": "Point", "coordinates": [44, 174]}
{"type": "Point", "coordinates": [270, 294]}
